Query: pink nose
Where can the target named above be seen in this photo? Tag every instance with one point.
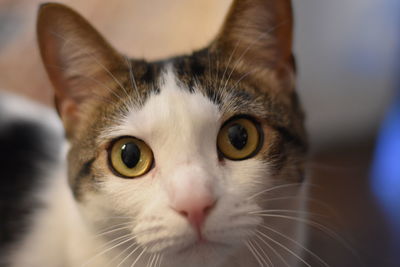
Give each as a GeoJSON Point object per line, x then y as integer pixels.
{"type": "Point", "coordinates": [192, 194]}
{"type": "Point", "coordinates": [195, 209]}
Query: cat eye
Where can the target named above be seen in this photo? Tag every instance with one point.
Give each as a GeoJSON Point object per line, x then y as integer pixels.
{"type": "Point", "coordinates": [130, 157]}
{"type": "Point", "coordinates": [240, 138]}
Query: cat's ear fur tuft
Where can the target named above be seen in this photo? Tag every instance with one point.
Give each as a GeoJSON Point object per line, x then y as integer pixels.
{"type": "Point", "coordinates": [77, 59]}
{"type": "Point", "coordinates": [258, 33]}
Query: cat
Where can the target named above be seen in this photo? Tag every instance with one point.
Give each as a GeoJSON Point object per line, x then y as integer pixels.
{"type": "Point", "coordinates": [172, 162]}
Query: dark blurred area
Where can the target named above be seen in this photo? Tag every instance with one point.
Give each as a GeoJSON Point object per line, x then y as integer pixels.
{"type": "Point", "coordinates": [348, 53]}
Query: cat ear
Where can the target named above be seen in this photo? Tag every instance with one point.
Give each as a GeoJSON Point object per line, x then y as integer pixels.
{"type": "Point", "coordinates": [258, 33]}
{"type": "Point", "coordinates": [78, 60]}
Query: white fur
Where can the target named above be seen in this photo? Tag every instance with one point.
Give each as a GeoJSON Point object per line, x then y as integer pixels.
{"type": "Point", "coordinates": [57, 232]}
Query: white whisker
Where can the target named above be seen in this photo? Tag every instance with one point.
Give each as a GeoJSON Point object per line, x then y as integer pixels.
{"type": "Point", "coordinates": [322, 228]}
{"type": "Point", "coordinates": [113, 226]}
{"type": "Point", "coordinates": [107, 250]}
{"type": "Point", "coordinates": [273, 188]}
{"type": "Point", "coordinates": [297, 243]}
{"type": "Point", "coordinates": [283, 186]}
{"type": "Point", "coordinates": [133, 81]}
{"type": "Point", "coordinates": [284, 247]}
{"type": "Point", "coordinates": [156, 260]}
{"type": "Point", "coordinates": [308, 199]}
{"type": "Point", "coordinates": [267, 258]}
{"type": "Point", "coordinates": [274, 251]}
{"type": "Point", "coordinates": [130, 254]}
{"type": "Point", "coordinates": [137, 259]}
{"type": "Point", "coordinates": [122, 252]}
{"type": "Point", "coordinates": [151, 260]}
{"type": "Point", "coordinates": [227, 66]}
{"type": "Point", "coordinates": [251, 249]}
{"type": "Point", "coordinates": [127, 226]}
{"type": "Point", "coordinates": [161, 258]}
{"type": "Point", "coordinates": [271, 211]}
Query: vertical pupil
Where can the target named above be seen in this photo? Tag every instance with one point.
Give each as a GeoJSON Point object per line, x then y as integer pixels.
{"type": "Point", "coordinates": [237, 135]}
{"type": "Point", "coordinates": [130, 154]}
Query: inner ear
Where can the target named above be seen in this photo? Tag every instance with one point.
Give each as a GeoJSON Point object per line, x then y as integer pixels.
{"type": "Point", "coordinates": [258, 33]}
{"type": "Point", "coordinates": [79, 61]}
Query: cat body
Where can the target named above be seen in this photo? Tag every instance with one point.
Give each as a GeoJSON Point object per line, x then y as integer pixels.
{"type": "Point", "coordinates": [171, 163]}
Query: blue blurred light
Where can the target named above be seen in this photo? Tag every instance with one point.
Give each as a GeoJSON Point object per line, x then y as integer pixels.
{"type": "Point", "coordinates": [386, 167]}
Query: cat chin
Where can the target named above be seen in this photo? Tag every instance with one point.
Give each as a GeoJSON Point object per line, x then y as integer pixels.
{"type": "Point", "coordinates": [200, 255]}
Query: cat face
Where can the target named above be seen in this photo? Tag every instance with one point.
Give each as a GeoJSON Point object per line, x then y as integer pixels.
{"type": "Point", "coordinates": [177, 153]}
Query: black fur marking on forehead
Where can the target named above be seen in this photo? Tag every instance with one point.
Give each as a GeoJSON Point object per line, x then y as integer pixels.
{"type": "Point", "coordinates": [145, 76]}
{"type": "Point", "coordinates": [194, 70]}
{"type": "Point", "coordinates": [149, 76]}
{"type": "Point", "coordinates": [193, 65]}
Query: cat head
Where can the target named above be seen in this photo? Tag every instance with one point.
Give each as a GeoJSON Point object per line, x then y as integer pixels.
{"type": "Point", "coordinates": [181, 150]}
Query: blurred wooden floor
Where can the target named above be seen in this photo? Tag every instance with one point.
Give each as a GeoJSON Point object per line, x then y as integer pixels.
{"type": "Point", "coordinates": [341, 176]}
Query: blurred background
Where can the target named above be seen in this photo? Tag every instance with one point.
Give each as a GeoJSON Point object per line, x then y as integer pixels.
{"type": "Point", "coordinates": [348, 55]}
